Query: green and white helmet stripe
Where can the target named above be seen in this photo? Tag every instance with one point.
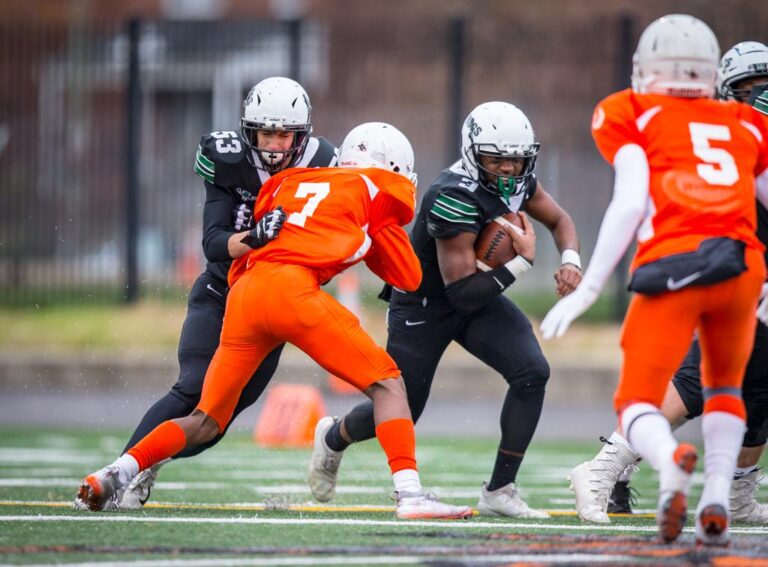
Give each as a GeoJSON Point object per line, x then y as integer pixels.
{"type": "Point", "coordinates": [454, 210]}
{"type": "Point", "coordinates": [203, 166]}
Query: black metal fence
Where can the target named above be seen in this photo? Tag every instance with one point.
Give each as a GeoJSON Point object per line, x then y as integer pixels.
{"type": "Point", "coordinates": [99, 126]}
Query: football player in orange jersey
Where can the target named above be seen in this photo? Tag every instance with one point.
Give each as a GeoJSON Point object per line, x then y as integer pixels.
{"type": "Point", "coordinates": [687, 169]}
{"type": "Point", "coordinates": [601, 484]}
{"type": "Point", "coordinates": [335, 218]}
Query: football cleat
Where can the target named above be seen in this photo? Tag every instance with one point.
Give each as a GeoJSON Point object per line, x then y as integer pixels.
{"type": "Point", "coordinates": [324, 463]}
{"type": "Point", "coordinates": [425, 506]}
{"type": "Point", "coordinates": [593, 481]}
{"type": "Point", "coordinates": [712, 526]}
{"type": "Point", "coordinates": [101, 490]}
{"type": "Point", "coordinates": [744, 507]}
{"type": "Point", "coordinates": [672, 510]}
{"type": "Point", "coordinates": [138, 491]}
{"type": "Point", "coordinates": [506, 501]}
{"type": "Point", "coordinates": [622, 498]}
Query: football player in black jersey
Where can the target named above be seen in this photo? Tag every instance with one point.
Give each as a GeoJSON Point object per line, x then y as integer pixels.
{"type": "Point", "coordinates": [456, 302]}
{"type": "Point", "coordinates": [275, 133]}
{"type": "Point", "coordinates": [601, 485]}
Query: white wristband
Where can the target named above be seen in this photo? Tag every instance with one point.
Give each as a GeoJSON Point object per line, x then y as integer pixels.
{"type": "Point", "coordinates": [571, 257]}
{"type": "Point", "coordinates": [518, 266]}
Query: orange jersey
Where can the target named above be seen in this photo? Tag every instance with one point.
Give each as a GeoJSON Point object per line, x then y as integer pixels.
{"type": "Point", "coordinates": [703, 157]}
{"type": "Point", "coordinates": [337, 217]}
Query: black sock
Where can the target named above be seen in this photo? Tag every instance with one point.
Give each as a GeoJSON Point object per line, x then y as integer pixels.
{"type": "Point", "coordinates": [333, 438]}
{"type": "Point", "coordinates": [505, 470]}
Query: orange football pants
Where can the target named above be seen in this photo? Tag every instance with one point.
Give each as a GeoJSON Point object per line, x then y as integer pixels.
{"type": "Point", "coordinates": [658, 331]}
{"type": "Point", "coordinates": [276, 303]}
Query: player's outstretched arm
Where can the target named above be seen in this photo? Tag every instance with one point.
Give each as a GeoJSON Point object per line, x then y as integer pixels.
{"type": "Point", "coordinates": [392, 258]}
{"type": "Point", "coordinates": [624, 214]}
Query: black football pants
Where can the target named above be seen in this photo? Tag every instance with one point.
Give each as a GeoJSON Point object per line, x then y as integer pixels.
{"type": "Point", "coordinates": [499, 334]}
{"type": "Point", "coordinates": [199, 339]}
{"type": "Point", "coordinates": [754, 390]}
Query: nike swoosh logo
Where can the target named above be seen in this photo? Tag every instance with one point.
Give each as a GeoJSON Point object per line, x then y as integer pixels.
{"type": "Point", "coordinates": [210, 287]}
{"type": "Point", "coordinates": [673, 285]}
{"type": "Point", "coordinates": [414, 323]}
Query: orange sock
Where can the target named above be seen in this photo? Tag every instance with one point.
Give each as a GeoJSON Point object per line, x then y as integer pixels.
{"type": "Point", "coordinates": [162, 442]}
{"type": "Point", "coordinates": [398, 439]}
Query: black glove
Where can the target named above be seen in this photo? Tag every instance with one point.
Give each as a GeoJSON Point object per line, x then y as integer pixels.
{"type": "Point", "coordinates": [267, 228]}
{"type": "Point", "coordinates": [242, 217]}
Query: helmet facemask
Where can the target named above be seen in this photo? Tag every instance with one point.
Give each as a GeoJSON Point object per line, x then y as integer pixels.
{"type": "Point", "coordinates": [273, 161]}
{"type": "Point", "coordinates": [506, 185]}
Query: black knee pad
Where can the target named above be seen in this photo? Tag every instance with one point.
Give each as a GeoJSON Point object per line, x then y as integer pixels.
{"type": "Point", "coordinates": [530, 376]}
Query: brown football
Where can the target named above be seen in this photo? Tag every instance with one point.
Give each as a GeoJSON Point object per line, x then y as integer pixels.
{"type": "Point", "coordinates": [493, 246]}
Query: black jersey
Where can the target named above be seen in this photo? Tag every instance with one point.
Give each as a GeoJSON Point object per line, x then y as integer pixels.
{"type": "Point", "coordinates": [456, 203]}
{"type": "Point", "coordinates": [232, 184]}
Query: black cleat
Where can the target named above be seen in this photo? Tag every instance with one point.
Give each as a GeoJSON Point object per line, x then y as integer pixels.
{"type": "Point", "coordinates": [622, 498]}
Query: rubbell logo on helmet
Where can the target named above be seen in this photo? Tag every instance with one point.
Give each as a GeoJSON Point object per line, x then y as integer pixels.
{"type": "Point", "coordinates": [677, 55]}
{"type": "Point", "coordinates": [378, 144]}
{"type": "Point", "coordinates": [276, 104]}
{"type": "Point", "coordinates": [744, 60]}
{"type": "Point", "coordinates": [498, 129]}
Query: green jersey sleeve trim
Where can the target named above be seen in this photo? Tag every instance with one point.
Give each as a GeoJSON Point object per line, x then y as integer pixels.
{"type": "Point", "coordinates": [203, 166]}
{"type": "Point", "coordinates": [439, 211]}
{"type": "Point", "coordinates": [452, 204]}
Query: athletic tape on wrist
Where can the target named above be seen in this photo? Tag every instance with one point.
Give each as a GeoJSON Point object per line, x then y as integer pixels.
{"type": "Point", "coordinates": [518, 266]}
{"type": "Point", "coordinates": [571, 257]}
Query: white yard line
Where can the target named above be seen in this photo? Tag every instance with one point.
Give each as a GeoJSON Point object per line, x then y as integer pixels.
{"type": "Point", "coordinates": [466, 524]}
{"type": "Point", "coordinates": [355, 560]}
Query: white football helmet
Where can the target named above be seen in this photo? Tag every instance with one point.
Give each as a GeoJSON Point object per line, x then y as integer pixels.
{"type": "Point", "coordinates": [744, 60]}
{"type": "Point", "coordinates": [677, 55]}
{"type": "Point", "coordinates": [378, 144]}
{"type": "Point", "coordinates": [498, 129]}
{"type": "Point", "coordinates": [276, 104]}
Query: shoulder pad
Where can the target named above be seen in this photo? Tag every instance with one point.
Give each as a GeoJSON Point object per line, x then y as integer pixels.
{"type": "Point", "coordinates": [319, 153]}
{"type": "Point", "coordinates": [454, 205]}
{"type": "Point", "coordinates": [220, 158]}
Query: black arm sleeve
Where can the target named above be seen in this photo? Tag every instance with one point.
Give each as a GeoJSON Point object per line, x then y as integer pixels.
{"type": "Point", "coordinates": [217, 223]}
{"type": "Point", "coordinates": [472, 292]}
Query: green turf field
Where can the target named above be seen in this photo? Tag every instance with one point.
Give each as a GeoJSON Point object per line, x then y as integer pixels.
{"type": "Point", "coordinates": [239, 504]}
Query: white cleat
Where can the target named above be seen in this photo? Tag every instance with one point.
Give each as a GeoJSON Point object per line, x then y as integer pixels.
{"type": "Point", "coordinates": [592, 481]}
{"type": "Point", "coordinates": [99, 491]}
{"type": "Point", "coordinates": [139, 490]}
{"type": "Point", "coordinates": [506, 501]}
{"type": "Point", "coordinates": [744, 507]}
{"type": "Point", "coordinates": [324, 463]}
{"type": "Point", "coordinates": [425, 506]}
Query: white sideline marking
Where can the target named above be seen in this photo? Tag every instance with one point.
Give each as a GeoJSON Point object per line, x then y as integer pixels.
{"type": "Point", "coordinates": [468, 524]}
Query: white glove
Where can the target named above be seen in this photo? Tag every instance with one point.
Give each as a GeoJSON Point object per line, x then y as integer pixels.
{"type": "Point", "coordinates": [566, 310]}
{"type": "Point", "coordinates": [242, 217]}
{"type": "Point", "coordinates": [762, 309]}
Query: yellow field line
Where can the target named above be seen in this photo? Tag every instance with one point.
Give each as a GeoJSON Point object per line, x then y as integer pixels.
{"type": "Point", "coordinates": [263, 508]}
